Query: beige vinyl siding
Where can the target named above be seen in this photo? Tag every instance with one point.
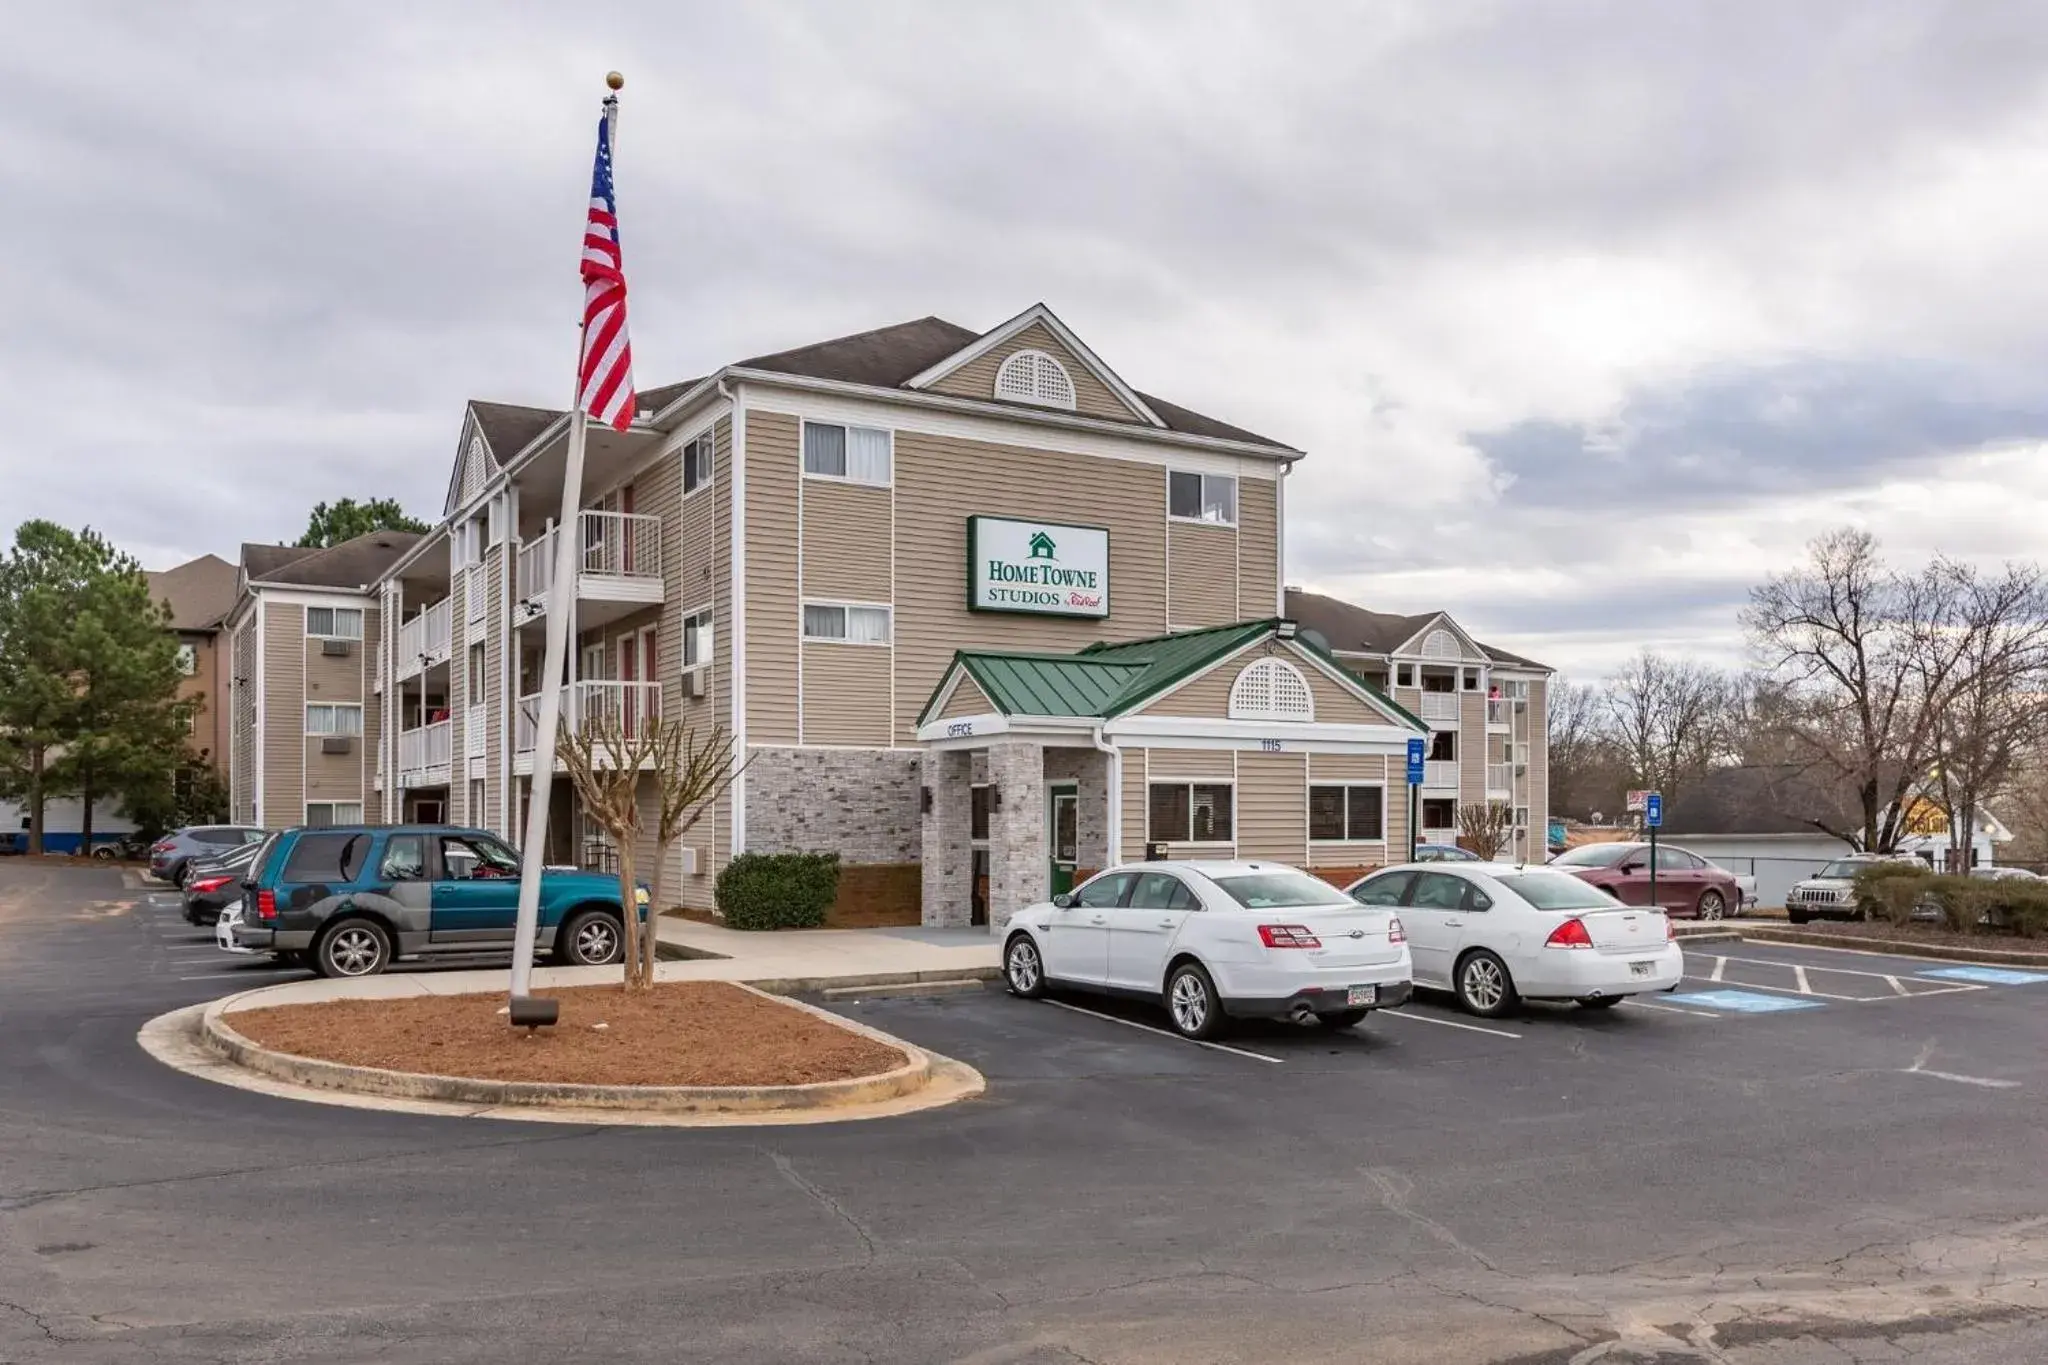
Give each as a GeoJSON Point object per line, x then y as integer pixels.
{"type": "Point", "coordinates": [967, 700]}
{"type": "Point", "coordinates": [282, 801]}
{"type": "Point", "coordinates": [772, 610]}
{"type": "Point", "coordinates": [1208, 694]}
{"type": "Point", "coordinates": [243, 756]}
{"type": "Point", "coordinates": [846, 694]}
{"type": "Point", "coordinates": [1471, 746]}
{"type": "Point", "coordinates": [1349, 770]}
{"type": "Point", "coordinates": [457, 797]}
{"type": "Point", "coordinates": [845, 541]}
{"type": "Point", "coordinates": [940, 482]}
{"type": "Point", "coordinates": [1219, 765]}
{"type": "Point", "coordinates": [1272, 807]}
{"type": "Point", "coordinates": [1538, 799]}
{"type": "Point", "coordinates": [1201, 581]}
{"type": "Point", "coordinates": [373, 718]}
{"type": "Point", "coordinates": [713, 564]}
{"type": "Point", "coordinates": [1258, 549]}
{"type": "Point", "coordinates": [497, 705]}
{"type": "Point", "coordinates": [977, 378]}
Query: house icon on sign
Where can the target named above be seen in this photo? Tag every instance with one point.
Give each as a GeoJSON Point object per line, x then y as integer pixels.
{"type": "Point", "coordinates": [1041, 545]}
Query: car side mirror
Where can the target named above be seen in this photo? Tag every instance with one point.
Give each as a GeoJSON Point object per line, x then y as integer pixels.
{"type": "Point", "coordinates": [1632, 867]}
{"type": "Point", "coordinates": [1062, 901]}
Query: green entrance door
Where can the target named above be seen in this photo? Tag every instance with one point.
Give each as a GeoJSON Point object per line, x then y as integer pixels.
{"type": "Point", "coordinates": [1065, 843]}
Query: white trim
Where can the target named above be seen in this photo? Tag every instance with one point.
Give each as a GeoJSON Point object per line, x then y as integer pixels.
{"type": "Point", "coordinates": [312, 597]}
{"type": "Point", "coordinates": [259, 679]}
{"type": "Point", "coordinates": [307, 811]}
{"type": "Point", "coordinates": [887, 608]}
{"type": "Point", "coordinates": [1032, 359]}
{"type": "Point", "coordinates": [1346, 784]}
{"type": "Point", "coordinates": [804, 473]}
{"type": "Point", "coordinates": [1062, 731]}
{"type": "Point", "coordinates": [736, 823]}
{"type": "Point", "coordinates": [1411, 648]}
{"type": "Point", "coordinates": [1295, 650]}
{"type": "Point", "coordinates": [312, 634]}
{"type": "Point", "coordinates": [1237, 510]}
{"type": "Point", "coordinates": [1292, 736]}
{"type": "Point", "coordinates": [1113, 824]}
{"type": "Point", "coordinates": [1178, 780]}
{"type": "Point", "coordinates": [1280, 543]}
{"type": "Point", "coordinates": [1039, 313]}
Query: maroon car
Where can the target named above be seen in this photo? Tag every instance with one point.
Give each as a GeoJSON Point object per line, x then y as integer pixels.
{"type": "Point", "coordinates": [1687, 884]}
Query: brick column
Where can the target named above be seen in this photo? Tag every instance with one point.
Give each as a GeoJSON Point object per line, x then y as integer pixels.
{"type": "Point", "coordinates": [947, 859]}
{"type": "Point", "coordinates": [1018, 870]}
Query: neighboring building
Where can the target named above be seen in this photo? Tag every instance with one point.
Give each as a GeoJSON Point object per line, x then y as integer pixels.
{"type": "Point", "coordinates": [200, 594]}
{"type": "Point", "coordinates": [1485, 709]}
{"type": "Point", "coordinates": [305, 707]}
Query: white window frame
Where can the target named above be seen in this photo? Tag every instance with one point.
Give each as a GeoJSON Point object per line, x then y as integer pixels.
{"type": "Point", "coordinates": [1041, 365]}
{"type": "Point", "coordinates": [334, 619]}
{"type": "Point", "coordinates": [1404, 675]}
{"type": "Point", "coordinates": [1521, 817]}
{"type": "Point", "coordinates": [1347, 788]}
{"type": "Point", "coordinates": [333, 810]}
{"type": "Point", "coordinates": [704, 635]}
{"type": "Point", "coordinates": [188, 660]}
{"type": "Point", "coordinates": [1228, 783]}
{"type": "Point", "coordinates": [1471, 680]}
{"type": "Point", "coordinates": [1203, 496]}
{"type": "Point", "coordinates": [1243, 706]}
{"type": "Point", "coordinates": [804, 447]}
{"type": "Point", "coordinates": [336, 708]}
{"type": "Point", "coordinates": [888, 612]}
{"type": "Point", "coordinates": [704, 448]}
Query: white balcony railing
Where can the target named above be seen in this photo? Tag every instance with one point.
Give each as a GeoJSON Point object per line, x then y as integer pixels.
{"type": "Point", "coordinates": [475, 729]}
{"type": "Point", "coordinates": [1440, 772]}
{"type": "Point", "coordinates": [615, 545]}
{"type": "Point", "coordinates": [1500, 777]}
{"type": "Point", "coordinates": [1439, 836]}
{"type": "Point", "coordinates": [425, 749]}
{"type": "Point", "coordinates": [1498, 710]}
{"type": "Point", "coordinates": [1439, 705]}
{"type": "Point", "coordinates": [630, 702]}
{"type": "Point", "coordinates": [536, 567]}
{"type": "Point", "coordinates": [426, 639]}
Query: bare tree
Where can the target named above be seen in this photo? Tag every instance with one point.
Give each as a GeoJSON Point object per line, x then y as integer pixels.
{"type": "Point", "coordinates": [691, 773]}
{"type": "Point", "coordinates": [1995, 711]}
{"type": "Point", "coordinates": [1869, 654]}
{"type": "Point", "coordinates": [1485, 827]}
{"type": "Point", "coordinates": [1669, 718]}
{"type": "Point", "coordinates": [1577, 741]}
{"type": "Point", "coordinates": [605, 756]}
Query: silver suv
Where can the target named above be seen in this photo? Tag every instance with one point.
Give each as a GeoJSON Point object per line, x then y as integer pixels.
{"type": "Point", "coordinates": [1831, 893]}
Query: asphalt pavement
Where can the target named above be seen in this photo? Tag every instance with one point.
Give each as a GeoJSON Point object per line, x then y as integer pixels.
{"type": "Point", "coordinates": [1853, 1173]}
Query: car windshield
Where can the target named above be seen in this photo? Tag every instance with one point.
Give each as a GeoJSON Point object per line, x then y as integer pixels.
{"type": "Point", "coordinates": [1274, 890]}
{"type": "Point", "coordinates": [1555, 891]}
{"type": "Point", "coordinates": [261, 862]}
{"type": "Point", "coordinates": [1845, 869]}
{"type": "Point", "coordinates": [1593, 855]}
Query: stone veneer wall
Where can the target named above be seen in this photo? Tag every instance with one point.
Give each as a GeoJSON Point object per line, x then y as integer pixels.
{"type": "Point", "coordinates": [859, 803]}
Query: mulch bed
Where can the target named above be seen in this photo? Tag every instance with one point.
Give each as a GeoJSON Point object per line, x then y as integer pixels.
{"type": "Point", "coordinates": [680, 1033]}
{"type": "Point", "coordinates": [1923, 931]}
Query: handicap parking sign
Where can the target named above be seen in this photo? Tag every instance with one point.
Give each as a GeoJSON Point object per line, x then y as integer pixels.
{"type": "Point", "coordinates": [1415, 762]}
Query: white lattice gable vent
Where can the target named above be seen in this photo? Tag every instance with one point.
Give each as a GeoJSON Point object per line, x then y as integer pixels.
{"type": "Point", "coordinates": [478, 472]}
{"type": "Point", "coordinates": [1035, 377]}
{"type": "Point", "coordinates": [1271, 689]}
{"type": "Point", "coordinates": [1442, 644]}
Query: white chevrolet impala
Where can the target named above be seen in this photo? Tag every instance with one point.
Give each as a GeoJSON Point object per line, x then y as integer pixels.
{"type": "Point", "coordinates": [1494, 933]}
{"type": "Point", "coordinates": [1212, 941]}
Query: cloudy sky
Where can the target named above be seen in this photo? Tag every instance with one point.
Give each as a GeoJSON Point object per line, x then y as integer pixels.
{"type": "Point", "coordinates": [1587, 314]}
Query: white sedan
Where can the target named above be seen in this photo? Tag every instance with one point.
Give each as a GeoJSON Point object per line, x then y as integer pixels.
{"type": "Point", "coordinates": [1494, 933]}
{"type": "Point", "coordinates": [1213, 941]}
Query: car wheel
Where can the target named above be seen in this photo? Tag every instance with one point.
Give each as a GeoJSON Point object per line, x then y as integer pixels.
{"type": "Point", "coordinates": [1796, 916]}
{"type": "Point", "coordinates": [1023, 969]}
{"type": "Point", "coordinates": [180, 874]}
{"type": "Point", "coordinates": [1343, 1018]}
{"type": "Point", "coordinates": [1484, 986]}
{"type": "Point", "coordinates": [354, 947]}
{"type": "Point", "coordinates": [1598, 1002]}
{"type": "Point", "coordinates": [104, 853]}
{"type": "Point", "coordinates": [1711, 905]}
{"type": "Point", "coordinates": [593, 939]}
{"type": "Point", "coordinates": [1191, 1002]}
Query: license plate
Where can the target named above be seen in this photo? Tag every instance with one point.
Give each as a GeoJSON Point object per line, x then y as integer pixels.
{"type": "Point", "coordinates": [1362, 995]}
{"type": "Point", "coordinates": [1642, 968]}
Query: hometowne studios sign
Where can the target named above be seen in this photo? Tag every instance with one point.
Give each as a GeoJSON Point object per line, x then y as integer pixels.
{"type": "Point", "coordinates": [1037, 566]}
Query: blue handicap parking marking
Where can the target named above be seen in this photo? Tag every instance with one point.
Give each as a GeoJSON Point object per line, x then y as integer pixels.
{"type": "Point", "coordinates": [1987, 976]}
{"type": "Point", "coordinates": [1745, 1002]}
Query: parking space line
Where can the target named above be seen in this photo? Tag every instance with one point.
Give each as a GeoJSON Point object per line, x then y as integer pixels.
{"type": "Point", "coordinates": [1450, 1023]}
{"type": "Point", "coordinates": [1720, 968]}
{"type": "Point", "coordinates": [1794, 990]}
{"type": "Point", "coordinates": [1164, 1033]}
{"type": "Point", "coordinates": [1672, 1009]}
{"type": "Point", "coordinates": [1896, 987]}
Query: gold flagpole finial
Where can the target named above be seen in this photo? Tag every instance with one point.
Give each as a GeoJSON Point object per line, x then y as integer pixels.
{"type": "Point", "coordinates": [614, 79]}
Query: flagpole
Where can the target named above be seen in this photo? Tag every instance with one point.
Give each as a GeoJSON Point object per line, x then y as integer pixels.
{"type": "Point", "coordinates": [525, 1010]}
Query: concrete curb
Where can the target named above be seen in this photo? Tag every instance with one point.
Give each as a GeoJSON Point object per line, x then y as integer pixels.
{"type": "Point", "coordinates": [1934, 952]}
{"type": "Point", "coordinates": [1684, 934]}
{"type": "Point", "coordinates": [905, 1080]}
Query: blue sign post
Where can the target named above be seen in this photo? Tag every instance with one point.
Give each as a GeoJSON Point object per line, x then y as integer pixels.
{"type": "Point", "coordinates": [1415, 753]}
{"type": "Point", "coordinates": [1653, 820]}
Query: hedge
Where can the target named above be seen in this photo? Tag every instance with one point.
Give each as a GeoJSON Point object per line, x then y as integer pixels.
{"type": "Point", "coordinates": [778, 890]}
{"type": "Point", "coordinates": [1967, 904]}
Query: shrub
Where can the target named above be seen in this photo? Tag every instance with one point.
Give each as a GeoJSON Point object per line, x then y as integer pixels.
{"type": "Point", "coordinates": [2018, 905]}
{"type": "Point", "coordinates": [1893, 889]}
{"type": "Point", "coordinates": [1965, 902]}
{"type": "Point", "coordinates": [778, 890]}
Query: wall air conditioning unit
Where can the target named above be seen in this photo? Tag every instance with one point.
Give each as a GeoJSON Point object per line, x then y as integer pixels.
{"type": "Point", "coordinates": [336, 744]}
{"type": "Point", "coordinates": [693, 683]}
{"type": "Point", "coordinates": [689, 856]}
{"type": "Point", "coordinates": [334, 649]}
{"type": "Point", "coordinates": [1521, 703]}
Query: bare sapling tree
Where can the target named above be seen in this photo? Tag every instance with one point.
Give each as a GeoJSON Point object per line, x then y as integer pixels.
{"type": "Point", "coordinates": [1995, 715]}
{"type": "Point", "coordinates": [1485, 827]}
{"type": "Point", "coordinates": [1669, 718]}
{"type": "Point", "coordinates": [691, 772]}
{"type": "Point", "coordinates": [605, 756]}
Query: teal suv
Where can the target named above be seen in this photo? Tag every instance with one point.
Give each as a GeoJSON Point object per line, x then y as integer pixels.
{"type": "Point", "coordinates": [349, 900]}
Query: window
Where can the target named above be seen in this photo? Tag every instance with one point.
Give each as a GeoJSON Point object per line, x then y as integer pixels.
{"type": "Point", "coordinates": [977, 820]}
{"type": "Point", "coordinates": [1443, 746]}
{"type": "Point", "coordinates": [1677, 860]}
{"type": "Point", "coordinates": [329, 719]}
{"type": "Point", "coordinates": [697, 457]}
{"type": "Point", "coordinates": [1555, 891]}
{"type": "Point", "coordinates": [1035, 377]}
{"type": "Point", "coordinates": [324, 813]}
{"type": "Point", "coordinates": [1438, 891]}
{"type": "Point", "coordinates": [1521, 817]}
{"type": "Point", "coordinates": [188, 660]}
{"type": "Point", "coordinates": [856, 454]}
{"type": "Point", "coordinates": [1191, 812]}
{"type": "Point", "coordinates": [476, 801]}
{"type": "Point", "coordinates": [1282, 890]}
{"type": "Point", "coordinates": [1595, 855]}
{"type": "Point", "coordinates": [325, 857]}
{"type": "Point", "coordinates": [1517, 689]}
{"type": "Point", "coordinates": [334, 623]}
{"type": "Point", "coordinates": [1404, 675]}
{"type": "Point", "coordinates": [1105, 892]}
{"type": "Point", "coordinates": [1201, 497]}
{"type": "Point", "coordinates": [1347, 812]}
{"type": "Point", "coordinates": [1162, 891]}
{"type": "Point", "coordinates": [697, 639]}
{"type": "Point", "coordinates": [1271, 689]}
{"type": "Point", "coordinates": [473, 858]}
{"type": "Point", "coordinates": [1439, 813]}
{"type": "Point", "coordinates": [851, 625]}
{"type": "Point", "coordinates": [1385, 889]}
{"type": "Point", "coordinates": [477, 674]}
{"type": "Point", "coordinates": [1471, 680]}
{"type": "Point", "coordinates": [405, 859]}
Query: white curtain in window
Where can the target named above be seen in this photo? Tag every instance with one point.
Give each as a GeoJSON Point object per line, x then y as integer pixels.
{"type": "Point", "coordinates": [825, 623]}
{"type": "Point", "coordinates": [867, 455]}
{"type": "Point", "coordinates": [1219, 499]}
{"type": "Point", "coordinates": [825, 450]}
{"type": "Point", "coordinates": [867, 625]}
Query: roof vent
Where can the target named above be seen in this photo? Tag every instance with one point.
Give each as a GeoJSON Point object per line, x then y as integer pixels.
{"type": "Point", "coordinates": [1035, 377]}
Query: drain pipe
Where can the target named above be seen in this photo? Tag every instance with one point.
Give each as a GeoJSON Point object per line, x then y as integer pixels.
{"type": "Point", "coordinates": [1113, 842]}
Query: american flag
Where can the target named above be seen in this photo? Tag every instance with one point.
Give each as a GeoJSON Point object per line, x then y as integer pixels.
{"type": "Point", "coordinates": [604, 386]}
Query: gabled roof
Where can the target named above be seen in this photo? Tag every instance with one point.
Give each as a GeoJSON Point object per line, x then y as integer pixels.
{"type": "Point", "coordinates": [1038, 315]}
{"type": "Point", "coordinates": [509, 428]}
{"type": "Point", "coordinates": [1774, 798]}
{"type": "Point", "coordinates": [353, 564]}
{"type": "Point", "coordinates": [1354, 630]}
{"type": "Point", "coordinates": [200, 592]}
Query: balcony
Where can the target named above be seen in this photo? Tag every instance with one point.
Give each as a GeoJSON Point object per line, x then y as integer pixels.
{"type": "Point", "coordinates": [476, 729]}
{"type": "Point", "coordinates": [1499, 712]}
{"type": "Point", "coordinates": [583, 703]}
{"type": "Point", "coordinates": [1500, 779]}
{"type": "Point", "coordinates": [1440, 772]}
{"type": "Point", "coordinates": [1440, 706]}
{"type": "Point", "coordinates": [1439, 836]}
{"type": "Point", "coordinates": [619, 569]}
{"type": "Point", "coordinates": [424, 641]}
{"type": "Point", "coordinates": [424, 755]}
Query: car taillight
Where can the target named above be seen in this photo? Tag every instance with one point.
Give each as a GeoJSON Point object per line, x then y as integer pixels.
{"type": "Point", "coordinates": [1571, 934]}
{"type": "Point", "coordinates": [160, 846]}
{"type": "Point", "coordinates": [206, 884]}
{"type": "Point", "coordinates": [1396, 932]}
{"type": "Point", "coordinates": [1288, 936]}
{"type": "Point", "coordinates": [266, 905]}
{"type": "Point", "coordinates": [1670, 929]}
